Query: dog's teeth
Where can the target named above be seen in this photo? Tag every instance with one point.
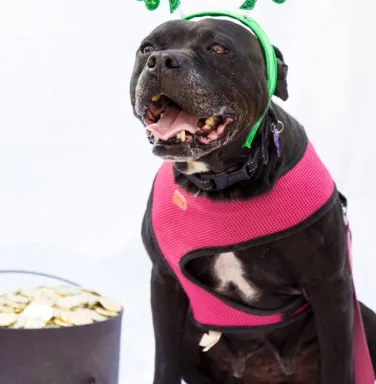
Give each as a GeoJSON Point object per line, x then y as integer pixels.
{"type": "Point", "coordinates": [150, 115]}
{"type": "Point", "coordinates": [181, 136]}
{"type": "Point", "coordinates": [211, 120]}
{"type": "Point", "coordinates": [159, 112]}
{"type": "Point", "coordinates": [213, 135]}
{"type": "Point", "coordinates": [207, 127]}
{"type": "Point", "coordinates": [156, 98]}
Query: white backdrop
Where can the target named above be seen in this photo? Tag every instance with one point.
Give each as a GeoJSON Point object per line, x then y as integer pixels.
{"type": "Point", "coordinates": [76, 168]}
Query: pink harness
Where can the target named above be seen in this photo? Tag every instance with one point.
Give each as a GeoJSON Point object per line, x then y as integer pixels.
{"type": "Point", "coordinates": [184, 224]}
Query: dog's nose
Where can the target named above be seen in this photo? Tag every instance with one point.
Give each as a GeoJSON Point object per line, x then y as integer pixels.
{"type": "Point", "coordinates": [163, 61]}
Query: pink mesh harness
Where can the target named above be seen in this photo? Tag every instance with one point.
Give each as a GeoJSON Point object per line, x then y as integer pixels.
{"type": "Point", "coordinates": [205, 223]}
{"type": "Point", "coordinates": [195, 223]}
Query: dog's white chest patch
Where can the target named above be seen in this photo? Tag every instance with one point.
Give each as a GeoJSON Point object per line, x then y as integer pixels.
{"type": "Point", "coordinates": [196, 167]}
{"type": "Point", "coordinates": [228, 269]}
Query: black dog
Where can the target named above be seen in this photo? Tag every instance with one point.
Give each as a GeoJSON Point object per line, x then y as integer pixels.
{"type": "Point", "coordinates": [216, 68]}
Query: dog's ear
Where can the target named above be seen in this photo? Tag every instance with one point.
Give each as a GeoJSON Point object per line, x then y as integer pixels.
{"type": "Point", "coordinates": [281, 88]}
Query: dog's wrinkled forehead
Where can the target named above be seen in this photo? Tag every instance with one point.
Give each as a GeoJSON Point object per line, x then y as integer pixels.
{"type": "Point", "coordinates": [181, 33]}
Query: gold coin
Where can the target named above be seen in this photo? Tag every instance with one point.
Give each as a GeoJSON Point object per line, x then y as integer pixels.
{"type": "Point", "coordinates": [44, 300]}
{"type": "Point", "coordinates": [61, 323]}
{"type": "Point", "coordinates": [80, 318]}
{"type": "Point", "coordinates": [7, 319]}
{"type": "Point", "coordinates": [91, 292]}
{"type": "Point", "coordinates": [91, 299]}
{"type": "Point", "coordinates": [5, 309]}
{"type": "Point", "coordinates": [47, 291]}
{"type": "Point", "coordinates": [68, 302]}
{"type": "Point", "coordinates": [109, 304]}
{"type": "Point", "coordinates": [30, 292]}
{"type": "Point", "coordinates": [67, 290]}
{"type": "Point", "coordinates": [57, 312]}
{"type": "Point", "coordinates": [106, 312]}
{"type": "Point", "coordinates": [20, 323]}
{"type": "Point", "coordinates": [13, 305]}
{"type": "Point", "coordinates": [66, 317]}
{"type": "Point", "coordinates": [85, 299]}
{"type": "Point", "coordinates": [16, 298]}
{"type": "Point", "coordinates": [44, 294]}
{"type": "Point", "coordinates": [34, 323]}
{"type": "Point", "coordinates": [95, 315]}
{"type": "Point", "coordinates": [37, 311]}
{"type": "Point", "coordinates": [51, 325]}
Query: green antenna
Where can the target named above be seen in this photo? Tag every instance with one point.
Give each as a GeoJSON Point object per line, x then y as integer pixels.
{"type": "Point", "coordinates": [174, 5]}
{"type": "Point", "coordinates": [248, 4]}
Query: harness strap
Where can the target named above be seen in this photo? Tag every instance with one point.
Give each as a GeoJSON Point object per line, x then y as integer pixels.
{"type": "Point", "coordinates": [364, 373]}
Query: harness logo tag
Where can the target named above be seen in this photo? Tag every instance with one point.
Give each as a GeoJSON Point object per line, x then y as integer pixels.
{"type": "Point", "coordinates": [179, 200]}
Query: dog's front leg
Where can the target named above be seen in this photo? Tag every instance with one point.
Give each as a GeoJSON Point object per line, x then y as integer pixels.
{"type": "Point", "coordinates": [169, 308]}
{"type": "Point", "coordinates": [332, 305]}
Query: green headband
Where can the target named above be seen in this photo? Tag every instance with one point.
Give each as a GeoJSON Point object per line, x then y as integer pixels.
{"type": "Point", "coordinates": [151, 5]}
{"type": "Point", "coordinates": [269, 53]}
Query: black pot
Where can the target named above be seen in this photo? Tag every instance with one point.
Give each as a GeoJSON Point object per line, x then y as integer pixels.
{"type": "Point", "coordinates": [86, 354]}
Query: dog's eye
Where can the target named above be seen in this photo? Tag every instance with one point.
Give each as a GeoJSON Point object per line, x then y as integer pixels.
{"type": "Point", "coordinates": [147, 49]}
{"type": "Point", "coordinates": [219, 49]}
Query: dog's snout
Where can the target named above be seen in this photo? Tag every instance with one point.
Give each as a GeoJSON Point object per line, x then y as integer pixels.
{"type": "Point", "coordinates": [170, 61]}
{"type": "Point", "coordinates": [165, 61]}
{"type": "Point", "coordinates": [152, 61]}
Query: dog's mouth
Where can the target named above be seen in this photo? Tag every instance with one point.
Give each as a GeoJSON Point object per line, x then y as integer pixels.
{"type": "Point", "coordinates": [168, 124]}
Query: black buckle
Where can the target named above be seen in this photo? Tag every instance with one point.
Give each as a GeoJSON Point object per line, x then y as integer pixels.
{"type": "Point", "coordinates": [226, 178]}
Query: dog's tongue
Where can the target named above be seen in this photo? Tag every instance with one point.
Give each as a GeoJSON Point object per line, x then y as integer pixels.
{"type": "Point", "coordinates": [173, 121]}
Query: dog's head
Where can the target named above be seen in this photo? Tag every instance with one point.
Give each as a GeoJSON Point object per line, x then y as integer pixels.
{"type": "Point", "coordinates": [199, 86]}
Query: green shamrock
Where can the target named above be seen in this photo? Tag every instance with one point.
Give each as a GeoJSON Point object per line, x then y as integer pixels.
{"type": "Point", "coordinates": [250, 4]}
{"type": "Point", "coordinates": [152, 5]}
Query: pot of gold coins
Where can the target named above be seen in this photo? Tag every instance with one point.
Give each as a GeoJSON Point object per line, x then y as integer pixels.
{"type": "Point", "coordinates": [58, 334]}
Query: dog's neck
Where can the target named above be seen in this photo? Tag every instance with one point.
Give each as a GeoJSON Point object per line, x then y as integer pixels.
{"type": "Point", "coordinates": [264, 169]}
{"type": "Point", "coordinates": [242, 170]}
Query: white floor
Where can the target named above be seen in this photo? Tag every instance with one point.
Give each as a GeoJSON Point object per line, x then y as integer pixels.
{"type": "Point", "coordinates": [75, 166]}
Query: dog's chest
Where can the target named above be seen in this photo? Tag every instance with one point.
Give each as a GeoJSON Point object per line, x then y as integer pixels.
{"type": "Point", "coordinates": [187, 228]}
{"type": "Point", "coordinates": [258, 277]}
{"type": "Point", "coordinates": [230, 278]}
